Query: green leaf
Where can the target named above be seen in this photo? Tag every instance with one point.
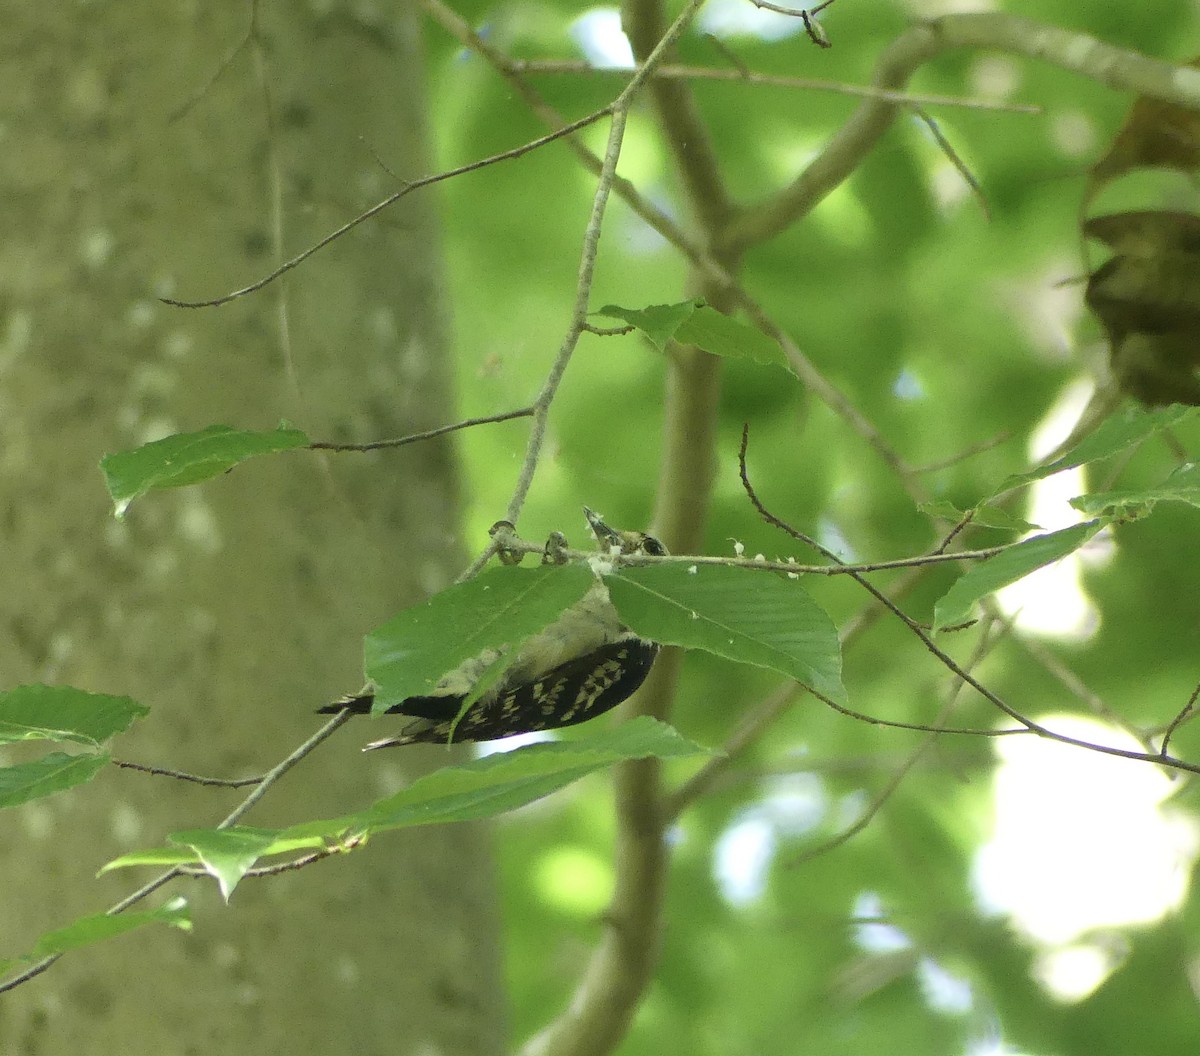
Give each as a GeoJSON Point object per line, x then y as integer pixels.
{"type": "Point", "coordinates": [743, 615]}
{"type": "Point", "coordinates": [1181, 486]}
{"type": "Point", "coordinates": [228, 854]}
{"type": "Point", "coordinates": [1007, 567]}
{"type": "Point", "coordinates": [160, 857]}
{"type": "Point", "coordinates": [990, 516]}
{"type": "Point", "coordinates": [944, 509]}
{"type": "Point", "coordinates": [52, 773]}
{"type": "Point", "coordinates": [658, 322]}
{"type": "Point", "coordinates": [100, 926]}
{"type": "Point", "coordinates": [1115, 434]}
{"type": "Point", "coordinates": [477, 789]}
{"type": "Point", "coordinates": [695, 323]}
{"type": "Point", "coordinates": [61, 713]}
{"type": "Point", "coordinates": [507, 780]}
{"type": "Point", "coordinates": [722, 335]}
{"type": "Point", "coordinates": [985, 515]}
{"type": "Point", "coordinates": [188, 458]}
{"type": "Point", "coordinates": [502, 607]}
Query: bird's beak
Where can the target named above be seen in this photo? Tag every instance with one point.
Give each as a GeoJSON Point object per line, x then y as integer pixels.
{"type": "Point", "coordinates": [607, 537]}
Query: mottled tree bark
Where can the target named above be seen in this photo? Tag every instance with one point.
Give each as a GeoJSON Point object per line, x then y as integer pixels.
{"type": "Point", "coordinates": [235, 607]}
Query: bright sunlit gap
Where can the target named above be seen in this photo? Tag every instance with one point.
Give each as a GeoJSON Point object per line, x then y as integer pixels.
{"type": "Point", "coordinates": [600, 37]}
{"type": "Point", "coordinates": [792, 806]}
{"type": "Point", "coordinates": [1082, 843]}
{"type": "Point", "coordinates": [943, 990]}
{"type": "Point", "coordinates": [574, 880]}
{"type": "Point", "coordinates": [1052, 602]}
{"type": "Point", "coordinates": [738, 18]}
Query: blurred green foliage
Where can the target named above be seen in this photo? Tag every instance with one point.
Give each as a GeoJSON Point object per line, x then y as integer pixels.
{"type": "Point", "coordinates": [947, 330]}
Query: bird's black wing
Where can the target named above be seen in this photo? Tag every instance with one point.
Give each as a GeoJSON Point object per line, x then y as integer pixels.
{"type": "Point", "coordinates": [570, 693]}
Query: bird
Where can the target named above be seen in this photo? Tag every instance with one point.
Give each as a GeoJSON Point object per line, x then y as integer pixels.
{"type": "Point", "coordinates": [580, 666]}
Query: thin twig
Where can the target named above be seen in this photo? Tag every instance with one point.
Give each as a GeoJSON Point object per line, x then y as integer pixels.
{"type": "Point", "coordinates": [184, 108]}
{"type": "Point", "coordinates": [1188, 711]}
{"type": "Point", "coordinates": [181, 775]}
{"type": "Point", "coordinates": [969, 452]}
{"type": "Point", "coordinates": [933, 732]}
{"type": "Point", "coordinates": [950, 663]}
{"type": "Point", "coordinates": [428, 434]}
{"type": "Point", "coordinates": [583, 290]}
{"type": "Point", "coordinates": [391, 199]}
{"type": "Point", "coordinates": [740, 75]}
{"type": "Point", "coordinates": [953, 157]}
{"type": "Point", "coordinates": [918, 727]}
{"type": "Point", "coordinates": [789, 566]}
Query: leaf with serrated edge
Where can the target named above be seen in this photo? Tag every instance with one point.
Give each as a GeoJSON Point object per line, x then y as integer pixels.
{"type": "Point", "coordinates": [189, 458]}
{"type": "Point", "coordinates": [657, 321]}
{"type": "Point", "coordinates": [743, 615]}
{"type": "Point", "coordinates": [1181, 486]}
{"type": "Point", "coordinates": [502, 607]}
{"type": "Point", "coordinates": [480, 788]}
{"type": "Point", "coordinates": [1007, 567]}
{"type": "Point", "coordinates": [62, 713]}
{"type": "Point", "coordinates": [1115, 434]}
{"type": "Point", "coordinates": [52, 773]}
{"type": "Point", "coordinates": [722, 335]}
{"type": "Point", "coordinates": [100, 926]}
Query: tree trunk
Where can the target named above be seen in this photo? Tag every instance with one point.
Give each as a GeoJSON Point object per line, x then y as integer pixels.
{"type": "Point", "coordinates": [234, 607]}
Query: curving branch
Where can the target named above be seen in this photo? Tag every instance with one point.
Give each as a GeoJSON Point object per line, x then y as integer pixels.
{"type": "Point", "coordinates": [741, 75]}
{"type": "Point", "coordinates": [1115, 67]}
{"type": "Point", "coordinates": [679, 121]}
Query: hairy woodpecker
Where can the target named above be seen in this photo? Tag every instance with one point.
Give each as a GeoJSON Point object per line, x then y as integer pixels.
{"type": "Point", "coordinates": [583, 664]}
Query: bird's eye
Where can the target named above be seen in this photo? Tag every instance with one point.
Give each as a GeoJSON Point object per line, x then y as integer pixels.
{"type": "Point", "coordinates": [653, 547]}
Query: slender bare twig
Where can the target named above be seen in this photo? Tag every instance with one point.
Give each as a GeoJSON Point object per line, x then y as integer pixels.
{"type": "Point", "coordinates": [1187, 712]}
{"type": "Point", "coordinates": [953, 157]}
{"type": "Point", "coordinates": [391, 199]}
{"type": "Point", "coordinates": [919, 727]}
{"type": "Point", "coordinates": [184, 108]}
{"type": "Point", "coordinates": [951, 664]}
{"type": "Point", "coordinates": [741, 75]}
{"type": "Point", "coordinates": [753, 725]}
{"type": "Point", "coordinates": [583, 290]}
{"type": "Point", "coordinates": [587, 264]}
{"type": "Point", "coordinates": [970, 452]}
{"type": "Point", "coordinates": [428, 434]}
{"type": "Point", "coordinates": [789, 566]}
{"type": "Point", "coordinates": [182, 775]}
